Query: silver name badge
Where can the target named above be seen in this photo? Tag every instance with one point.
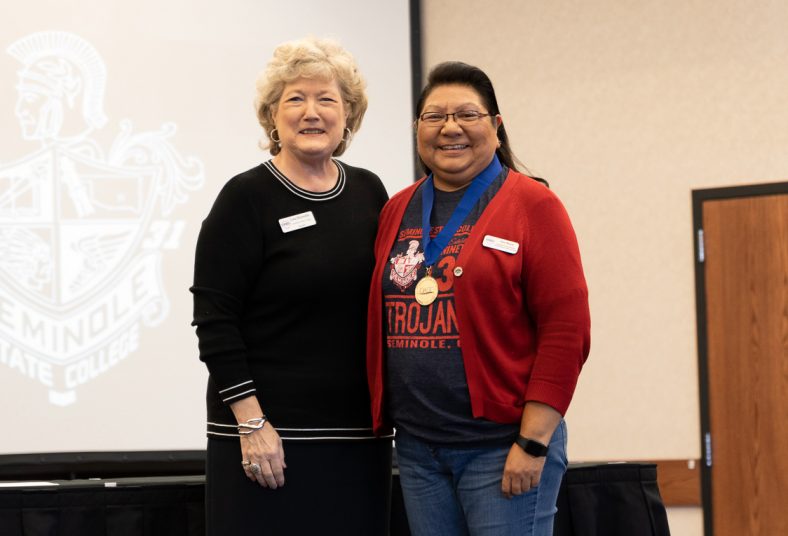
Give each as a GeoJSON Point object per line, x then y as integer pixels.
{"type": "Point", "coordinates": [507, 246]}
{"type": "Point", "coordinates": [297, 221]}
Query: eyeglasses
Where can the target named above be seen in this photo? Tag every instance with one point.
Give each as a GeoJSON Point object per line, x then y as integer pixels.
{"type": "Point", "coordinates": [465, 117]}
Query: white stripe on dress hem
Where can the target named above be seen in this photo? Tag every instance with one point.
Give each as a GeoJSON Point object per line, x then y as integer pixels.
{"type": "Point", "coordinates": [326, 437]}
{"type": "Point", "coordinates": [312, 438]}
{"type": "Point", "coordinates": [292, 429]}
{"type": "Point", "coordinates": [317, 429]}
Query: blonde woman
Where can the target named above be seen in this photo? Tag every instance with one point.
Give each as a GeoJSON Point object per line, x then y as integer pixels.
{"type": "Point", "coordinates": [282, 271]}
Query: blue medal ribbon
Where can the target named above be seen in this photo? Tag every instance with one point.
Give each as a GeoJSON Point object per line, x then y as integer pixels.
{"type": "Point", "coordinates": [432, 247]}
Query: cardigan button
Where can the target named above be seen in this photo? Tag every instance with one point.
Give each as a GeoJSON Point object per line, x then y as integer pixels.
{"type": "Point", "coordinates": [458, 271]}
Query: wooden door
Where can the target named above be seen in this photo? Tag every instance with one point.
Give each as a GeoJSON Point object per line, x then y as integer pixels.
{"type": "Point", "coordinates": [744, 263]}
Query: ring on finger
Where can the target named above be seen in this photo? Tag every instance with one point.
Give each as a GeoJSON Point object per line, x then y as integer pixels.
{"type": "Point", "coordinates": [255, 468]}
{"type": "Point", "coordinates": [245, 462]}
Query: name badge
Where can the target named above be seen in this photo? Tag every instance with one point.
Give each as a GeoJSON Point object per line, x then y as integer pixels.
{"type": "Point", "coordinates": [507, 246]}
{"type": "Point", "coordinates": [297, 221]}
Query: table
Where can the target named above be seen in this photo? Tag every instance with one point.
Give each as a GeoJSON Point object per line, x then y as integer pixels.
{"type": "Point", "coordinates": [595, 500]}
{"type": "Point", "coordinates": [172, 506]}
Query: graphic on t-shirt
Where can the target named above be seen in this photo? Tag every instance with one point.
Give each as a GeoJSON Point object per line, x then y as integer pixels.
{"type": "Point", "coordinates": [405, 266]}
{"type": "Point", "coordinates": [411, 325]}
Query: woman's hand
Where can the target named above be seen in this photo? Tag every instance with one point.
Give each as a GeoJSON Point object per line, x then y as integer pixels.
{"type": "Point", "coordinates": [262, 455]}
{"type": "Point", "coordinates": [266, 456]}
{"type": "Point", "coordinates": [521, 472]}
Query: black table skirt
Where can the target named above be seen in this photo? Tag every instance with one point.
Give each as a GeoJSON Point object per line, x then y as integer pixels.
{"type": "Point", "coordinates": [595, 500]}
{"type": "Point", "coordinates": [611, 500]}
{"type": "Point", "coordinates": [134, 507]}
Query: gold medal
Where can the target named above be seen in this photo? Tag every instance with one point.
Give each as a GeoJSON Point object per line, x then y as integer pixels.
{"type": "Point", "coordinates": [427, 288]}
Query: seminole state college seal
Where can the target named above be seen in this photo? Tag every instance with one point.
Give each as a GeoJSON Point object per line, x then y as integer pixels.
{"type": "Point", "coordinates": [82, 229]}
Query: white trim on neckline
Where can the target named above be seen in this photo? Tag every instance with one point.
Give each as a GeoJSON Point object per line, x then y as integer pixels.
{"type": "Point", "coordinates": [306, 194]}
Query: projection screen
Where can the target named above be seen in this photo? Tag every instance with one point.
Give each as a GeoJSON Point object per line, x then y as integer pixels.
{"type": "Point", "coordinates": [121, 121]}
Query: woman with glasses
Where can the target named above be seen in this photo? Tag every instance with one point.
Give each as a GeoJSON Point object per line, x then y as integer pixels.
{"type": "Point", "coordinates": [478, 323]}
{"type": "Point", "coordinates": [280, 292]}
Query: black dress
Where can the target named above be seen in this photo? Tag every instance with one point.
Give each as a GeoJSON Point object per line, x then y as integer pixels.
{"type": "Point", "coordinates": [280, 295]}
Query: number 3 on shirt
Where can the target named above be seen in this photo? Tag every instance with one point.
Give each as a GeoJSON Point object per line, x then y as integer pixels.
{"type": "Point", "coordinates": [446, 280]}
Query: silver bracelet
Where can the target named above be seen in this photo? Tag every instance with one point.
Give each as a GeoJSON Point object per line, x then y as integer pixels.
{"type": "Point", "coordinates": [251, 426]}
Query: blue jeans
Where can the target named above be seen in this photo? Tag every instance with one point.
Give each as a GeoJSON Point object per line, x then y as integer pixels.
{"type": "Point", "coordinates": [451, 491]}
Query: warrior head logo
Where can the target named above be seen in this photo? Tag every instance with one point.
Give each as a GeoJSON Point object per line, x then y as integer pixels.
{"type": "Point", "coordinates": [62, 76]}
{"type": "Point", "coordinates": [82, 229]}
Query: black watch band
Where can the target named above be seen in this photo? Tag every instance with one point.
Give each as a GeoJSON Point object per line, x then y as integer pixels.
{"type": "Point", "coordinates": [531, 446]}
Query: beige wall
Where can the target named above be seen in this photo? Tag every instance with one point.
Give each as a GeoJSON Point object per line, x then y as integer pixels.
{"type": "Point", "coordinates": [626, 106]}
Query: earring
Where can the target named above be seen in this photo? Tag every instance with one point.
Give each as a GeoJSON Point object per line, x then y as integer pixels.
{"type": "Point", "coordinates": [273, 139]}
{"type": "Point", "coordinates": [348, 135]}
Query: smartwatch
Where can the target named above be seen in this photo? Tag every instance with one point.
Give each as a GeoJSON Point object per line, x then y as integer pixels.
{"type": "Point", "coordinates": [531, 446]}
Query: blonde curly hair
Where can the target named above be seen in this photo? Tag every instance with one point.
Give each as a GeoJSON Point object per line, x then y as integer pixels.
{"type": "Point", "coordinates": [317, 58]}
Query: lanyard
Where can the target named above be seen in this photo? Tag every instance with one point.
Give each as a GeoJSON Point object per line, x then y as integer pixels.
{"type": "Point", "coordinates": [433, 247]}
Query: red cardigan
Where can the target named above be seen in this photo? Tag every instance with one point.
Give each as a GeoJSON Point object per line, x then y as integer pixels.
{"type": "Point", "coordinates": [523, 318]}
